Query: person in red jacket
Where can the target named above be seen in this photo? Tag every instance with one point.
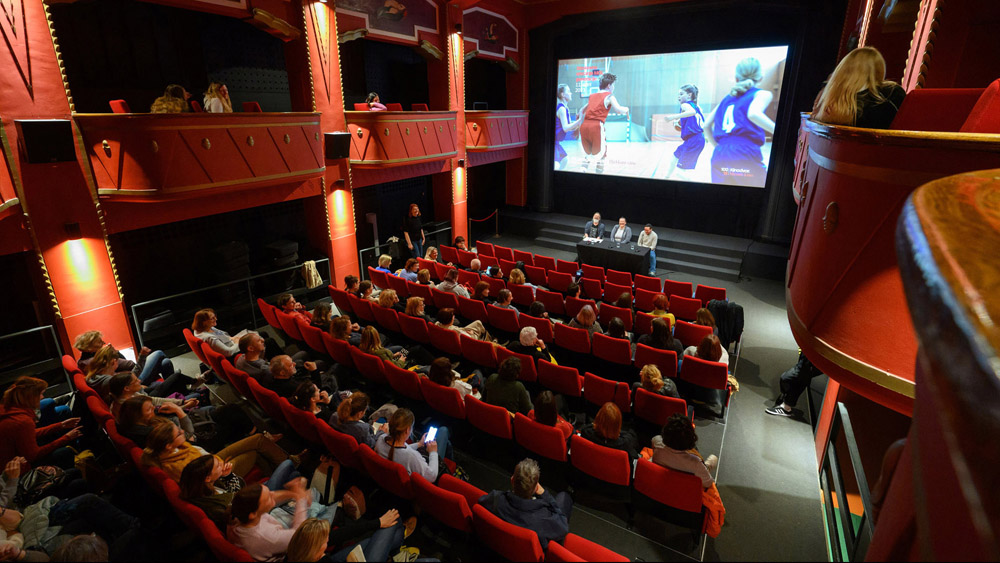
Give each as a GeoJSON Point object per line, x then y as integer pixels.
{"type": "Point", "coordinates": [21, 435]}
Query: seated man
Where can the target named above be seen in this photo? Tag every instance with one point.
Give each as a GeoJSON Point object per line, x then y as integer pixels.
{"type": "Point", "coordinates": [285, 376]}
{"type": "Point", "coordinates": [476, 266]}
{"type": "Point", "coordinates": [450, 284]}
{"type": "Point", "coordinates": [530, 506]}
{"type": "Point", "coordinates": [622, 232]}
{"type": "Point", "coordinates": [288, 304]}
{"type": "Point", "coordinates": [409, 271]}
{"type": "Point", "coordinates": [594, 229]}
{"type": "Point", "coordinates": [460, 243]}
{"type": "Point", "coordinates": [475, 329]}
{"type": "Point", "coordinates": [253, 361]}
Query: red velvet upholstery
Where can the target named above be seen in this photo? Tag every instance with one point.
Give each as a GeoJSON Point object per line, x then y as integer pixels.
{"type": "Point", "coordinates": [195, 106]}
{"type": "Point", "coordinates": [313, 336]}
{"type": "Point", "coordinates": [574, 339]}
{"type": "Point", "coordinates": [574, 304]}
{"type": "Point", "coordinates": [444, 299]}
{"type": "Point", "coordinates": [414, 328]}
{"type": "Point", "coordinates": [554, 303]}
{"type": "Point", "coordinates": [561, 379]}
{"type": "Point", "coordinates": [251, 107]}
{"type": "Point", "coordinates": [99, 409]}
{"type": "Point", "coordinates": [488, 262]}
{"type": "Point", "coordinates": [648, 283]}
{"type": "Point", "coordinates": [671, 288]}
{"type": "Point", "coordinates": [119, 106]}
{"type": "Point", "coordinates": [362, 308]}
{"type": "Point", "coordinates": [339, 297]}
{"type": "Point", "coordinates": [567, 267]}
{"type": "Point", "coordinates": [489, 418]}
{"type": "Point", "coordinates": [709, 375]}
{"type": "Point", "coordinates": [394, 106]}
{"type": "Point", "coordinates": [506, 265]}
{"type": "Point", "coordinates": [706, 293]}
{"type": "Point", "coordinates": [398, 285]}
{"type": "Point", "coordinates": [479, 352]}
{"type": "Point", "coordinates": [644, 299]}
{"type": "Point", "coordinates": [342, 446]}
{"type": "Point", "coordinates": [378, 277]}
{"type": "Point", "coordinates": [484, 249]}
{"type": "Point", "coordinates": [536, 275]}
{"type": "Point", "coordinates": [371, 367]}
{"type": "Point", "coordinates": [690, 334]}
{"type": "Point", "coordinates": [609, 312]}
{"type": "Point", "coordinates": [610, 349]}
{"type": "Point", "coordinates": [389, 475]}
{"type": "Point", "coordinates": [528, 371]}
{"type": "Point", "coordinates": [495, 284]}
{"type": "Point", "coordinates": [237, 378]}
{"type": "Point", "coordinates": [441, 270]}
{"type": "Point", "coordinates": [546, 262]}
{"type": "Point", "coordinates": [451, 509]}
{"type": "Point", "coordinates": [985, 115]}
{"type": "Point", "coordinates": [559, 281]}
{"type": "Point", "coordinates": [503, 319]}
{"type": "Point", "coordinates": [420, 290]}
{"type": "Point", "coordinates": [289, 325]}
{"type": "Point", "coordinates": [445, 340]}
{"type": "Point", "coordinates": [921, 109]}
{"type": "Point", "coordinates": [546, 441]}
{"type": "Point", "coordinates": [526, 257]}
{"type": "Point", "coordinates": [643, 323]}
{"type": "Point", "coordinates": [471, 492]}
{"type": "Point", "coordinates": [339, 350]}
{"type": "Point", "coordinates": [472, 309]}
{"type": "Point", "coordinates": [665, 360]}
{"type": "Point", "coordinates": [195, 343]}
{"type": "Point", "coordinates": [404, 381]}
{"type": "Point", "coordinates": [619, 278]}
{"type": "Point", "coordinates": [503, 253]}
{"type": "Point", "coordinates": [593, 272]}
{"type": "Point", "coordinates": [613, 291]}
{"type": "Point", "coordinates": [668, 487]}
{"type": "Point", "coordinates": [575, 548]}
{"type": "Point", "coordinates": [446, 400]}
{"type": "Point", "coordinates": [419, 107]}
{"type": "Point", "coordinates": [468, 278]}
{"type": "Point", "coordinates": [591, 288]}
{"type": "Point", "coordinates": [656, 408]}
{"type": "Point", "coordinates": [598, 390]}
{"type": "Point", "coordinates": [196, 519]}
{"type": "Point", "coordinates": [267, 399]}
{"type": "Point", "coordinates": [523, 294]}
{"type": "Point", "coordinates": [387, 319]}
{"type": "Point", "coordinates": [361, 107]}
{"type": "Point", "coordinates": [684, 308]}
{"type": "Point", "coordinates": [429, 265]}
{"type": "Point", "coordinates": [542, 326]}
{"type": "Point", "coordinates": [449, 254]}
{"type": "Point", "coordinates": [303, 423]}
{"type": "Point", "coordinates": [512, 542]}
{"type": "Point", "coordinates": [600, 462]}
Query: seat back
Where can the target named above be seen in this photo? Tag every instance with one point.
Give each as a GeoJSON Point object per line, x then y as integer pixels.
{"type": "Point", "coordinates": [430, 266]}
{"type": "Point", "coordinates": [268, 311]}
{"type": "Point", "coordinates": [489, 418]}
{"type": "Point", "coordinates": [647, 283]}
{"type": "Point", "coordinates": [419, 107]}
{"type": "Point", "coordinates": [553, 302]}
{"type": "Point", "coordinates": [389, 475]}
{"type": "Point", "coordinates": [593, 272]}
{"type": "Point", "coordinates": [98, 409]}
{"type": "Point", "coordinates": [559, 281]}
{"type": "Point", "coordinates": [251, 107]}
{"type": "Point", "coordinates": [598, 390]}
{"type": "Point", "coordinates": [546, 441]}
{"type": "Point", "coordinates": [567, 267]}
{"type": "Point", "coordinates": [199, 523]}
{"type": "Point", "coordinates": [503, 253]}
{"type": "Point", "coordinates": [465, 258]}
{"type": "Point", "coordinates": [387, 319]}
{"type": "Point", "coordinates": [683, 289]}
{"type": "Point", "coordinates": [339, 297]}
{"type": "Point", "coordinates": [920, 110]}
{"type": "Point", "coordinates": [394, 106]}
{"type": "Point", "coordinates": [644, 299]}
{"type": "Point", "coordinates": [340, 445]}
{"type": "Point", "coordinates": [503, 319]}
{"type": "Point", "coordinates": [619, 278]}
{"type": "Point", "coordinates": [361, 106]}
{"type": "Point", "coordinates": [546, 262]}
{"type": "Point", "coordinates": [414, 328]}
{"type": "Point", "coordinates": [449, 254]}
{"type": "Point", "coordinates": [613, 291]}
{"type": "Point", "coordinates": [691, 334]}
{"type": "Point", "coordinates": [371, 367]}
{"type": "Point", "coordinates": [675, 489]}
{"type": "Point", "coordinates": [573, 339]}
{"type": "Point", "coordinates": [403, 381]}
{"type": "Point", "coordinates": [523, 294]}
{"type": "Point", "coordinates": [703, 373]}
{"type": "Point", "coordinates": [488, 261]}
{"type": "Point", "coordinates": [524, 256]}
{"type": "Point", "coordinates": [196, 106]}
{"type": "Point", "coordinates": [664, 360]}
{"type": "Point", "coordinates": [484, 249]}
{"type": "Point", "coordinates": [479, 352]}
{"type": "Point", "coordinates": [362, 308]}
{"type": "Point", "coordinates": [267, 399]}
{"type": "Point", "coordinates": [446, 400]}
{"type": "Point", "coordinates": [420, 290]}
{"type": "Point", "coordinates": [195, 344]}
{"type": "Point", "coordinates": [528, 371]}
{"type": "Point", "coordinates": [506, 265]}
{"type": "Point", "coordinates": [609, 312]}
{"type": "Point", "coordinates": [468, 278]}
{"type": "Point", "coordinates": [119, 106]}
{"type": "Point", "coordinates": [238, 378]}
{"type": "Point", "coordinates": [289, 325]}
{"type": "Point", "coordinates": [684, 308]}
{"type": "Point", "coordinates": [542, 326]}
{"type": "Point", "coordinates": [313, 336]}
{"type": "Point", "coordinates": [473, 309]}
{"type": "Point", "coordinates": [303, 423]}
{"type": "Point", "coordinates": [496, 284]}
{"type": "Point", "coordinates": [339, 350]}
{"type": "Point", "coordinates": [69, 363]}
{"type": "Point", "coordinates": [592, 288]}
{"type": "Point", "coordinates": [214, 360]}
{"type": "Point", "coordinates": [398, 284]}
{"type": "Point", "coordinates": [574, 304]}
{"type": "Point", "coordinates": [600, 462]}
{"type": "Point", "coordinates": [536, 275]}
{"type": "Point", "coordinates": [575, 548]}
{"type": "Point", "coordinates": [378, 277]}
{"type": "Point", "coordinates": [561, 379]}
{"type": "Point", "coordinates": [441, 270]}
{"type": "Point", "coordinates": [445, 340]}
{"type": "Point", "coordinates": [656, 408]}
{"type": "Point", "coordinates": [610, 349]}
{"type": "Point", "coordinates": [514, 543]}
{"type": "Point", "coordinates": [985, 115]}
{"type": "Point", "coordinates": [451, 509]}
{"type": "Point", "coordinates": [706, 293]}
{"type": "Point", "coordinates": [443, 299]}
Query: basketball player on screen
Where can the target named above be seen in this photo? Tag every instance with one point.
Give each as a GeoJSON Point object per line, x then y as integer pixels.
{"type": "Point", "coordinates": [736, 129]}
{"type": "Point", "coordinates": [563, 125]}
{"type": "Point", "coordinates": [691, 128]}
{"type": "Point", "coordinates": [592, 135]}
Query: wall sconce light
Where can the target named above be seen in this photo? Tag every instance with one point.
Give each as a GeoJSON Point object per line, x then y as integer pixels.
{"type": "Point", "coordinates": [458, 28]}
{"type": "Point", "coordinates": [73, 231]}
{"type": "Point", "coordinates": [340, 182]}
{"type": "Point", "coordinates": [461, 162]}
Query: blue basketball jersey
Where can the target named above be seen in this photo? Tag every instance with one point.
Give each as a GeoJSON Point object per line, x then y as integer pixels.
{"type": "Point", "coordinates": [731, 119]}
{"type": "Point", "coordinates": [560, 133]}
{"type": "Point", "coordinates": [691, 126]}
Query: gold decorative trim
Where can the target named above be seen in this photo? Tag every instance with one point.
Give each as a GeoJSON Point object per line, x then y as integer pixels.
{"type": "Point", "coordinates": [289, 175]}
{"type": "Point", "coordinates": [220, 127]}
{"type": "Point", "coordinates": [59, 59]}
{"type": "Point", "coordinates": [874, 173]}
{"type": "Point", "coordinates": [481, 148]}
{"type": "Point", "coordinates": [442, 156]}
{"type": "Point", "coordinates": [901, 137]}
{"type": "Point", "coordinates": [326, 210]}
{"type": "Point", "coordinates": [866, 371]}
{"type": "Point", "coordinates": [383, 121]}
{"type": "Point", "coordinates": [493, 114]}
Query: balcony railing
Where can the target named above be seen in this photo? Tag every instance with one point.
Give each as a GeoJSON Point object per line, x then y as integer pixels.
{"type": "Point", "coordinates": [398, 138]}
{"type": "Point", "coordinates": [496, 130]}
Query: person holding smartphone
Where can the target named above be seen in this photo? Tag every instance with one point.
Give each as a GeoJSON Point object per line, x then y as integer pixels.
{"type": "Point", "coordinates": [393, 446]}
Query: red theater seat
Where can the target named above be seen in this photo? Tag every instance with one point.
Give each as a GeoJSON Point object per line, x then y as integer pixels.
{"type": "Point", "coordinates": [394, 106]}
{"type": "Point", "coordinates": [605, 464]}
{"type": "Point", "coordinates": [664, 360]}
{"type": "Point", "coordinates": [528, 371]}
{"type": "Point", "coordinates": [361, 107]}
{"type": "Point", "coordinates": [339, 297]}
{"type": "Point", "coordinates": [610, 349]}
{"type": "Point", "coordinates": [378, 277]}
{"type": "Point", "coordinates": [656, 408]}
{"type": "Point", "coordinates": [503, 253]}
{"type": "Point", "coordinates": [196, 107]}
{"type": "Point", "coordinates": [506, 265]}
{"type": "Point", "coordinates": [484, 249]}
{"type": "Point", "coordinates": [526, 257]}
{"type": "Point", "coordinates": [387, 319]}
{"type": "Point", "coordinates": [542, 439]}
{"type": "Point", "coordinates": [445, 340]}
{"type": "Point", "coordinates": [495, 284]}
{"type": "Point", "coordinates": [593, 272]}
{"type": "Point", "coordinates": [465, 257]}
{"type": "Point", "coordinates": [542, 326]}
{"type": "Point", "coordinates": [415, 329]}
{"type": "Point", "coordinates": [489, 418]}
{"type": "Point", "coordinates": [449, 254]}
{"type": "Point", "coordinates": [575, 548]}
{"type": "Point", "coordinates": [620, 278]}
{"type": "Point", "coordinates": [472, 309]}
{"type": "Point", "coordinates": [446, 400]}
{"type": "Point", "coordinates": [609, 312]}
{"type": "Point", "coordinates": [362, 308]}
{"type": "Point", "coordinates": [648, 283]}
{"type": "Point", "coordinates": [554, 303]}
{"type": "Point", "coordinates": [698, 374]}
{"type": "Point", "coordinates": [592, 288]}
{"type": "Point", "coordinates": [303, 423]}
{"type": "Point", "coordinates": [673, 494]}
{"type": "Point", "coordinates": [985, 115]}
{"type": "Point", "coordinates": [684, 308]}
{"type": "Point", "coordinates": [573, 339]}
{"type": "Point", "coordinates": [420, 290]}
{"type": "Point", "coordinates": [444, 299]}
{"type": "Point", "coordinates": [546, 262]}
{"type": "Point", "coordinates": [644, 299]}
{"type": "Point", "coordinates": [313, 336]}
{"type": "Point", "coordinates": [706, 293]}
{"type": "Point", "coordinates": [598, 390]}
{"type": "Point", "coordinates": [567, 267]}
{"type": "Point", "coordinates": [561, 379]}
{"type": "Point", "coordinates": [613, 291]}
{"type": "Point", "coordinates": [289, 325]}
{"type": "Point", "coordinates": [671, 288]}
{"type": "Point", "coordinates": [251, 107]}
{"type": "Point", "coordinates": [536, 275]}
{"type": "Point", "coordinates": [690, 334]}
{"type": "Point", "coordinates": [119, 106]}
{"type": "Point", "coordinates": [442, 270]}
{"type": "Point", "coordinates": [559, 281]}
{"type": "Point", "coordinates": [479, 352]}
{"type": "Point", "coordinates": [342, 446]}
{"type": "Point", "coordinates": [574, 304]}
{"type": "Point", "coordinates": [430, 266]}
{"type": "Point", "coordinates": [511, 542]}
{"type": "Point", "coordinates": [921, 109]}
{"type": "Point", "coordinates": [339, 350]}
{"type": "Point", "coordinates": [404, 381]}
{"type": "Point", "coordinates": [504, 320]}
{"type": "Point", "coordinates": [451, 509]}
{"type": "Point", "coordinates": [523, 294]}
{"type": "Point", "coordinates": [389, 475]}
{"type": "Point", "coordinates": [418, 107]}
{"type": "Point", "coordinates": [398, 285]}
{"type": "Point", "coordinates": [195, 344]}
{"type": "Point", "coordinates": [369, 366]}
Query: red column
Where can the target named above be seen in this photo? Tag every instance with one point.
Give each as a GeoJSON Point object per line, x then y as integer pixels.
{"type": "Point", "coordinates": [80, 274]}
{"type": "Point", "coordinates": [456, 103]}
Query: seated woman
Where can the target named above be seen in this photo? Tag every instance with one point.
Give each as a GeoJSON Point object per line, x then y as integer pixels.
{"type": "Point", "coordinates": [137, 415]}
{"type": "Point", "coordinates": [431, 254]}
{"type": "Point", "coordinates": [373, 102]}
{"type": "Point", "coordinates": [505, 300]}
{"type": "Point", "coordinates": [528, 343]}
{"type": "Point", "coordinates": [104, 364]}
{"type": "Point", "coordinates": [309, 398]}
{"type": "Point", "coordinates": [475, 329]}
{"type": "Point", "coordinates": [314, 538]}
{"type": "Point", "coordinates": [167, 447]}
{"type": "Point", "coordinates": [546, 412]}
{"type": "Point", "coordinates": [661, 306]}
{"type": "Point", "coordinates": [858, 94]}
{"type": "Point", "coordinates": [372, 344]}
{"type": "Point", "coordinates": [704, 317]}
{"type": "Point", "coordinates": [450, 284]}
{"type": "Point", "coordinates": [709, 349]}
{"type": "Point", "coordinates": [219, 340]}
{"type": "Point", "coordinates": [440, 371]}
{"type": "Point", "coordinates": [20, 434]}
{"type": "Point", "coordinates": [616, 329]}
{"type": "Point", "coordinates": [350, 416]}
{"type": "Point", "coordinates": [206, 484]}
{"type": "Point", "coordinates": [341, 328]}
{"type": "Point", "coordinates": [322, 317]}
{"type": "Point", "coordinates": [652, 380]}
{"type": "Point", "coordinates": [587, 320]}
{"type": "Point", "coordinates": [217, 99]}
{"type": "Point", "coordinates": [151, 366]}
{"type": "Point", "coordinates": [173, 100]}
{"type": "Point", "coordinates": [384, 261]}
{"type": "Point", "coordinates": [390, 300]}
{"type": "Point", "coordinates": [482, 293]}
{"type": "Point", "coordinates": [424, 277]}
{"type": "Point", "coordinates": [393, 446]}
{"type": "Point", "coordinates": [517, 278]}
{"type": "Point", "coordinates": [367, 291]}
{"type": "Point", "coordinates": [607, 431]}
{"type": "Point", "coordinates": [415, 307]}
{"type": "Point", "coordinates": [624, 300]}
{"type": "Point", "coordinates": [661, 338]}
{"type": "Point", "coordinates": [255, 530]}
{"type": "Point", "coordinates": [675, 448]}
{"type": "Point", "coordinates": [504, 390]}
{"type": "Point", "coordinates": [124, 386]}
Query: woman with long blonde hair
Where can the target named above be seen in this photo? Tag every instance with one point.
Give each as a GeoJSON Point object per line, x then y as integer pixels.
{"type": "Point", "coordinates": [858, 94]}
{"type": "Point", "coordinates": [217, 99]}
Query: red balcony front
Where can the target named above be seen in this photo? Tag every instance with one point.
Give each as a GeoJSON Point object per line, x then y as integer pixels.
{"type": "Point", "coordinates": [382, 139]}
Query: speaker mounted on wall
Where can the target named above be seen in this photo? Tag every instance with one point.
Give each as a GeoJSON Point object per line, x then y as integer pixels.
{"type": "Point", "coordinates": [338, 145]}
{"type": "Point", "coordinates": [44, 141]}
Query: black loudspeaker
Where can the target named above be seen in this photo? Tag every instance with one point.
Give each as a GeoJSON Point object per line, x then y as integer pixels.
{"type": "Point", "coordinates": [43, 141]}
{"type": "Point", "coordinates": [338, 145]}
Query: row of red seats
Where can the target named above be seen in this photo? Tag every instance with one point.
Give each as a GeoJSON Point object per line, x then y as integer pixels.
{"type": "Point", "coordinates": [158, 481]}
{"type": "Point", "coordinates": [391, 106]}
{"type": "Point", "coordinates": [452, 501]}
{"type": "Point", "coordinates": [121, 106]}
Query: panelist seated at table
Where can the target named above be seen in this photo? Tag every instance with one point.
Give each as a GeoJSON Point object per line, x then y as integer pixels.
{"type": "Point", "coordinates": [594, 229]}
{"type": "Point", "coordinates": [621, 232]}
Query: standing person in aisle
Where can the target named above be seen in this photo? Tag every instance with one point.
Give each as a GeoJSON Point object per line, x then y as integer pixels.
{"type": "Point", "coordinates": [413, 231]}
{"type": "Point", "coordinates": [648, 238]}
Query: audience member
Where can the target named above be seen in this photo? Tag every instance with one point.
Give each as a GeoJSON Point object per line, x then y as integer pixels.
{"type": "Point", "coordinates": [288, 304]}
{"type": "Point", "coordinates": [309, 398]}
{"type": "Point", "coordinates": [624, 300]}
{"type": "Point", "coordinates": [431, 254]}
{"type": "Point", "coordinates": [616, 329]}
{"type": "Point", "coordinates": [413, 232]}
{"type": "Point", "coordinates": [460, 243]}
{"type": "Point", "coordinates": [102, 367]}
{"type": "Point", "coordinates": [137, 416]}
{"type": "Point", "coordinates": [709, 349]}
{"type": "Point", "coordinates": [322, 316]}
{"type": "Point", "coordinates": [371, 344]}
{"type": "Point", "coordinates": [82, 548]}
{"type": "Point", "coordinates": [351, 284]}
{"type": "Point", "coordinates": [384, 262]}
{"type": "Point", "coordinates": [573, 290]}
{"type": "Point", "coordinates": [343, 329]}
{"type": "Point", "coordinates": [217, 99]}
{"type": "Point", "coordinates": [793, 382]}
{"type": "Point", "coordinates": [450, 284]}
{"type": "Point", "coordinates": [173, 100]}
{"type": "Point", "coordinates": [349, 419]}
{"type": "Point", "coordinates": [652, 380]}
{"type": "Point", "coordinates": [858, 94]}
{"type": "Point", "coordinates": [517, 278]}
{"type": "Point", "coordinates": [151, 365]}
{"type": "Point", "coordinates": [253, 528]}
{"type": "Point", "coordinates": [410, 270]}
{"type": "Point", "coordinates": [546, 411]}
{"type": "Point", "coordinates": [124, 386]}
{"type": "Point", "coordinates": [537, 310]}
{"type": "Point", "coordinates": [607, 431]}
{"type": "Point", "coordinates": [441, 372]}
{"type": "Point", "coordinates": [661, 308]}
{"type": "Point", "coordinates": [251, 360]}
{"type": "Point", "coordinates": [594, 228]}
{"type": "Point", "coordinates": [476, 266]}
{"type": "Point", "coordinates": [415, 307]}
{"type": "Point", "coordinates": [504, 390]}
{"type": "Point", "coordinates": [662, 339]}
{"type": "Point", "coordinates": [704, 317]}
{"type": "Point", "coordinates": [424, 277]}
{"type": "Point", "coordinates": [219, 340]}
{"type": "Point", "coordinates": [647, 239]}
{"type": "Point", "coordinates": [373, 102]}
{"type": "Point", "coordinates": [313, 538]}
{"type": "Point", "coordinates": [366, 290]}
{"type": "Point", "coordinates": [621, 233]}
{"type": "Point", "coordinates": [20, 434]}
{"type": "Point", "coordinates": [475, 329]}
{"type": "Point", "coordinates": [393, 446]}
{"type": "Point", "coordinates": [674, 448]}
{"type": "Point", "coordinates": [530, 506]}
{"type": "Point", "coordinates": [530, 344]}
{"type": "Point", "coordinates": [482, 293]}
{"type": "Point", "coordinates": [505, 300]}
{"type": "Point", "coordinates": [587, 320]}
{"type": "Point", "coordinates": [286, 375]}
{"type": "Point", "coordinates": [388, 299]}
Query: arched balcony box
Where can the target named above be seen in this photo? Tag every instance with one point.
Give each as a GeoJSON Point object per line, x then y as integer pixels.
{"type": "Point", "coordinates": [492, 136]}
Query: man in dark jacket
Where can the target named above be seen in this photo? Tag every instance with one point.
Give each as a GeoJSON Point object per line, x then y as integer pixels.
{"type": "Point", "coordinates": [530, 506]}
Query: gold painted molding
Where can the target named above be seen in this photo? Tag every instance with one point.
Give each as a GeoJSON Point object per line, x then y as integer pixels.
{"type": "Point", "coordinates": [441, 156]}
{"type": "Point", "coordinates": [288, 175]}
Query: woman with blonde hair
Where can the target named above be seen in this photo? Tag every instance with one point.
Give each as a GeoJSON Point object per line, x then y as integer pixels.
{"type": "Point", "coordinates": [371, 343]}
{"type": "Point", "coordinates": [390, 300]}
{"type": "Point", "coordinates": [384, 261]}
{"type": "Point", "coordinates": [858, 94]}
{"type": "Point", "coordinates": [652, 380]}
{"type": "Point", "coordinates": [415, 307]}
{"type": "Point", "coordinates": [737, 126]}
{"type": "Point", "coordinates": [217, 99]}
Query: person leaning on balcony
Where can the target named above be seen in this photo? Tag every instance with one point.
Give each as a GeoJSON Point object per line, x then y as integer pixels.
{"type": "Point", "coordinates": [858, 94]}
{"type": "Point", "coordinates": [217, 99]}
{"type": "Point", "coordinates": [173, 100]}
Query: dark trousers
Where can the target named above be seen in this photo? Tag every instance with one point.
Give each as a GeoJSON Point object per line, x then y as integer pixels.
{"type": "Point", "coordinates": [796, 380]}
{"type": "Point", "coordinates": [565, 503]}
